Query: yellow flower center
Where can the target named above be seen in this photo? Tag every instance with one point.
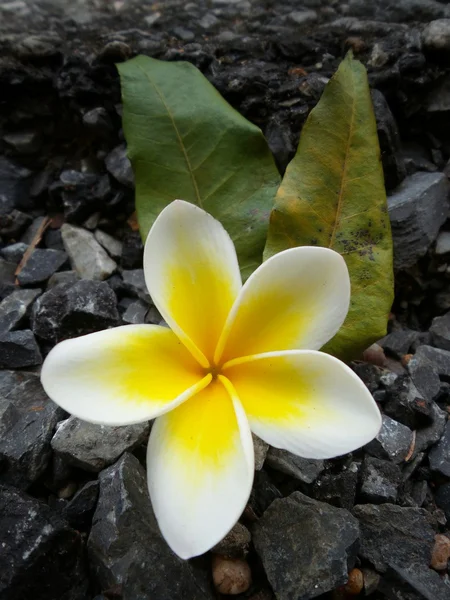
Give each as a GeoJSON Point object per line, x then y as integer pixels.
{"type": "Point", "coordinates": [213, 369]}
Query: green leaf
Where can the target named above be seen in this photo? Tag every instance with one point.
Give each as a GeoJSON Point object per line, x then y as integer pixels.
{"type": "Point", "coordinates": [333, 195]}
{"type": "Point", "coordinates": [185, 141]}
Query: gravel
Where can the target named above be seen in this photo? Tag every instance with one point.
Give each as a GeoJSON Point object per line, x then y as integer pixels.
{"type": "Point", "coordinates": [63, 156]}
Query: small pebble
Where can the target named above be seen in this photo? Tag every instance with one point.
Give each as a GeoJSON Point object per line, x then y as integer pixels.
{"type": "Point", "coordinates": [68, 491]}
{"type": "Point", "coordinates": [441, 552]}
{"type": "Point", "coordinates": [231, 576]}
{"type": "Point", "coordinates": [355, 582]}
{"type": "Point", "coordinates": [235, 543]}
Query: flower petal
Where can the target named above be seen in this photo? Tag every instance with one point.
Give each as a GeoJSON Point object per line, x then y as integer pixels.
{"type": "Point", "coordinates": [297, 299]}
{"type": "Point", "coordinates": [192, 274]}
{"type": "Point", "coordinates": [120, 376]}
{"type": "Point", "coordinates": [200, 467]}
{"type": "Point", "coordinates": [305, 401]}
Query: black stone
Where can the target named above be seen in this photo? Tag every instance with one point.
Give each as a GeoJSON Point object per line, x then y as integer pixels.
{"type": "Point", "coordinates": [305, 546]}
{"type": "Point", "coordinates": [397, 343]}
{"type": "Point", "coordinates": [394, 535]}
{"type": "Point", "coordinates": [125, 545]}
{"type": "Point", "coordinates": [389, 137]}
{"type": "Point", "coordinates": [19, 349]}
{"type": "Point", "coordinates": [413, 582]}
{"type": "Point", "coordinates": [369, 374]}
{"type": "Point", "coordinates": [380, 480]}
{"type": "Point", "coordinates": [92, 447]}
{"type": "Point", "coordinates": [134, 284]}
{"type": "Point", "coordinates": [27, 423]}
{"type": "Point", "coordinates": [14, 252]}
{"type": "Point", "coordinates": [118, 164]}
{"type": "Point", "coordinates": [392, 442]}
{"type": "Point", "coordinates": [263, 493]}
{"type": "Point", "coordinates": [338, 489]}
{"type": "Point", "coordinates": [429, 435]}
{"type": "Point", "coordinates": [440, 332]}
{"type": "Point", "coordinates": [14, 224]}
{"type": "Point", "coordinates": [406, 404]}
{"type": "Point", "coordinates": [417, 209]}
{"type": "Point", "coordinates": [438, 357]}
{"type": "Point", "coordinates": [53, 239]}
{"type": "Point", "coordinates": [15, 308]}
{"type": "Point", "coordinates": [40, 266]}
{"type": "Point", "coordinates": [439, 455]}
{"type": "Point", "coordinates": [30, 233]}
{"type": "Point", "coordinates": [80, 510]}
{"type": "Point", "coordinates": [82, 194]}
{"type": "Point", "coordinates": [41, 556]}
{"type": "Point", "coordinates": [303, 469]}
{"type": "Point", "coordinates": [132, 251]}
{"type": "Point", "coordinates": [424, 375]}
{"type": "Point", "coordinates": [15, 183]}
{"type": "Point", "coordinates": [66, 311]}
{"type": "Point", "coordinates": [443, 499]}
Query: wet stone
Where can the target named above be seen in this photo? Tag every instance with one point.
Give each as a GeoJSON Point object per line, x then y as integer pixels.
{"type": "Point", "coordinates": [67, 311]}
{"type": "Point", "coordinates": [19, 349]}
{"type": "Point", "coordinates": [319, 564]}
{"type": "Point", "coordinates": [41, 556]}
{"type": "Point", "coordinates": [27, 424]}
{"type": "Point", "coordinates": [93, 447]}
{"type": "Point", "coordinates": [392, 442]}
{"type": "Point", "coordinates": [126, 548]}
{"type": "Point", "coordinates": [40, 266]}
{"type": "Point", "coordinates": [380, 480]}
{"type": "Point", "coordinates": [15, 308]}
{"type": "Point", "coordinates": [303, 469]}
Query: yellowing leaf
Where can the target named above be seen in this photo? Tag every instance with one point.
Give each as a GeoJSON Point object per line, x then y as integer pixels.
{"type": "Point", "coordinates": [185, 141]}
{"type": "Point", "coordinates": [333, 195]}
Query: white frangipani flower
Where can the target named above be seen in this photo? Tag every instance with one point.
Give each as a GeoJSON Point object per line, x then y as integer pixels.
{"type": "Point", "coordinates": [238, 358]}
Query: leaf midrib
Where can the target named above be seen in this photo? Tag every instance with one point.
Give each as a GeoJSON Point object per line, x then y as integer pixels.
{"type": "Point", "coordinates": [179, 137]}
{"type": "Point", "coordinates": [344, 170]}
